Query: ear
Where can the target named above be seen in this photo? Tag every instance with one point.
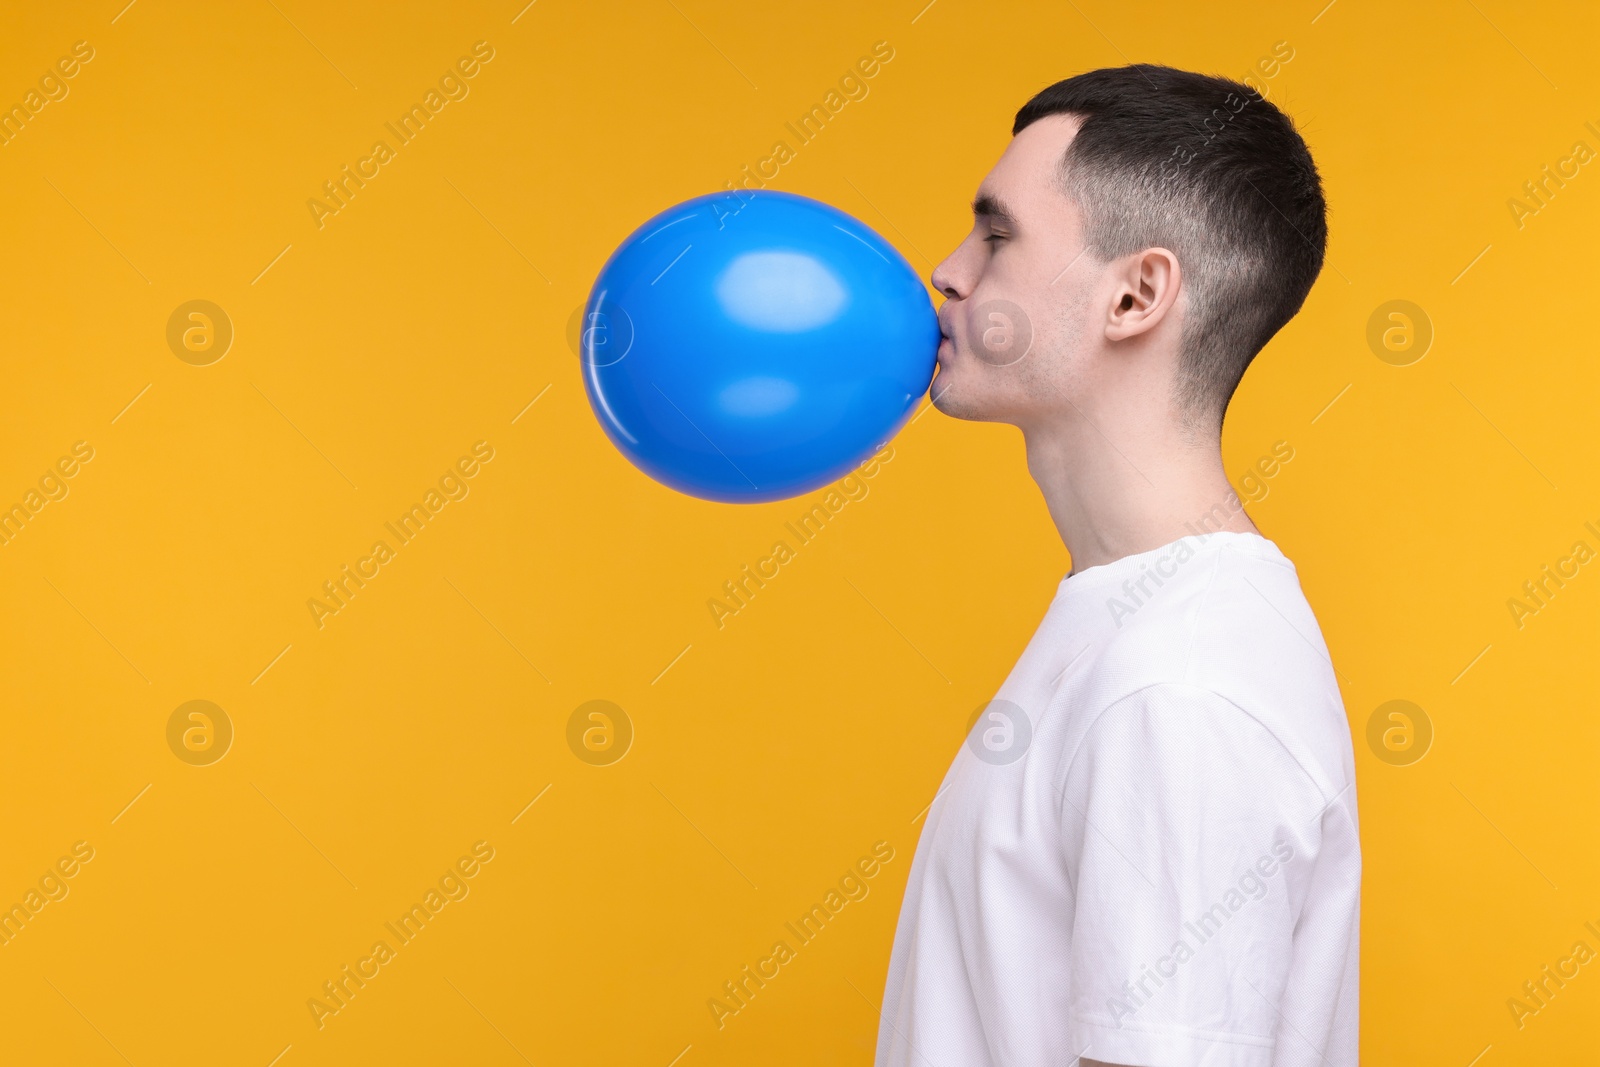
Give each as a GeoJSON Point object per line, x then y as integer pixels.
{"type": "Point", "coordinates": [1144, 295]}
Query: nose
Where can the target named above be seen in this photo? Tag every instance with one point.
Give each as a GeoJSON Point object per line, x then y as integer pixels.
{"type": "Point", "coordinates": [942, 279]}
{"type": "Point", "coordinates": [955, 276]}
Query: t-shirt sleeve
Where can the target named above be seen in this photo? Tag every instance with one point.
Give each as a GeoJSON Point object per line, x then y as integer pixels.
{"type": "Point", "coordinates": [1188, 833]}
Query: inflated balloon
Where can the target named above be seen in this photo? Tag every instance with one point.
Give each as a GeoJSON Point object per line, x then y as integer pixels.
{"type": "Point", "coordinates": [755, 354]}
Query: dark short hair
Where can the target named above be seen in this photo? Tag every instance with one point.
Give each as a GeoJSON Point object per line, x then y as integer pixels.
{"type": "Point", "coordinates": [1211, 170]}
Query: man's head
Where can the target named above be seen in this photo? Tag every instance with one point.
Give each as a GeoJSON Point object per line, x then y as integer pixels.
{"type": "Point", "coordinates": [1144, 234]}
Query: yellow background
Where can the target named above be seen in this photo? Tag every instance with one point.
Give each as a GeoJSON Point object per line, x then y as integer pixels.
{"type": "Point", "coordinates": [769, 755]}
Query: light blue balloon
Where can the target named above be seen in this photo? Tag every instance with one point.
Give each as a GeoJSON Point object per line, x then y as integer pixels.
{"type": "Point", "coordinates": [757, 349]}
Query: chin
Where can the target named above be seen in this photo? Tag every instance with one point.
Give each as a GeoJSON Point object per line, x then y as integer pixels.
{"type": "Point", "coordinates": [952, 397]}
{"type": "Point", "coordinates": [939, 390]}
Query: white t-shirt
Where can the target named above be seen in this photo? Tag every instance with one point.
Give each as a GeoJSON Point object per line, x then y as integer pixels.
{"type": "Point", "coordinates": [1146, 851]}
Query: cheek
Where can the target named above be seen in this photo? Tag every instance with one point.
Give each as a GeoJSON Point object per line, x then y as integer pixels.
{"type": "Point", "coordinates": [1059, 339]}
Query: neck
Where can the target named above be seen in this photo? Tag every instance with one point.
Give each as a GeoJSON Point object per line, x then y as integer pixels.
{"type": "Point", "coordinates": [1144, 487]}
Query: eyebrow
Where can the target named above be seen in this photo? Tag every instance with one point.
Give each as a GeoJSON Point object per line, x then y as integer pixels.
{"type": "Point", "coordinates": [990, 206]}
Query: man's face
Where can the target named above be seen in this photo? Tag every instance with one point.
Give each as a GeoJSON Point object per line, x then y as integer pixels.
{"type": "Point", "coordinates": [1018, 289]}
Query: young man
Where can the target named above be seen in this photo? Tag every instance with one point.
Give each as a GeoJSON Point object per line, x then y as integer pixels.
{"type": "Point", "coordinates": [1146, 852]}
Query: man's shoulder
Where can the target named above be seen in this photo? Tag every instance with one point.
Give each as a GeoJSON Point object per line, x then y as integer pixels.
{"type": "Point", "coordinates": [1235, 632]}
{"type": "Point", "coordinates": [1235, 616]}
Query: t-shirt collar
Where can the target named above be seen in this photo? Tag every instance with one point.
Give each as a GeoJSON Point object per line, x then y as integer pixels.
{"type": "Point", "coordinates": [1113, 572]}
